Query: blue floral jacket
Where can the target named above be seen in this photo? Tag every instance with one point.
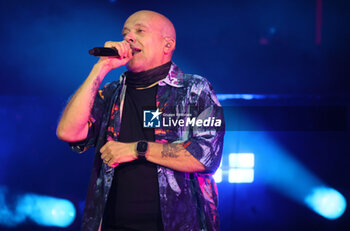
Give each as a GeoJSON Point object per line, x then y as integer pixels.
{"type": "Point", "coordinates": [188, 201]}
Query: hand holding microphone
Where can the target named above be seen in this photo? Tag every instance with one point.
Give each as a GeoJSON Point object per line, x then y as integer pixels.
{"type": "Point", "coordinates": [113, 54]}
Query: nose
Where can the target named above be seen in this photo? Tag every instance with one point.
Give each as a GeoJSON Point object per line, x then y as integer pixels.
{"type": "Point", "coordinates": [130, 37]}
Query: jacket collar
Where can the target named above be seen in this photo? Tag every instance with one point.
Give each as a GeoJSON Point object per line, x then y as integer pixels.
{"type": "Point", "coordinates": [174, 77]}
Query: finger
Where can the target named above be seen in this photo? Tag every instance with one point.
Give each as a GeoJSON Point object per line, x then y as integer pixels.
{"type": "Point", "coordinates": [130, 53]}
{"type": "Point", "coordinates": [126, 49]}
{"type": "Point", "coordinates": [109, 162]}
{"type": "Point", "coordinates": [104, 155]}
{"type": "Point", "coordinates": [123, 50]}
{"type": "Point", "coordinates": [109, 44]}
{"type": "Point", "coordinates": [115, 45]}
{"type": "Point", "coordinates": [105, 146]}
{"type": "Point", "coordinates": [109, 159]}
{"type": "Point", "coordinates": [120, 49]}
{"type": "Point", "coordinates": [129, 50]}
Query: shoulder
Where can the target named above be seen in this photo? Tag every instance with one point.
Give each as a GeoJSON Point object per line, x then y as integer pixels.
{"type": "Point", "coordinates": [199, 88]}
{"type": "Point", "coordinates": [177, 78]}
{"type": "Point", "coordinates": [193, 78]}
{"type": "Point", "coordinates": [196, 83]}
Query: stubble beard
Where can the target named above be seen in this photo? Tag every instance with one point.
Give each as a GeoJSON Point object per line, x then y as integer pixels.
{"type": "Point", "coordinates": [135, 64]}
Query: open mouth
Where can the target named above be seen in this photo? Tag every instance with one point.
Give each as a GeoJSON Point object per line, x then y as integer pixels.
{"type": "Point", "coordinates": [135, 50]}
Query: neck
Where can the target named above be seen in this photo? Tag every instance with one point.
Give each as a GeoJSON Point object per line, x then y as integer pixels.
{"type": "Point", "coordinates": [144, 79]}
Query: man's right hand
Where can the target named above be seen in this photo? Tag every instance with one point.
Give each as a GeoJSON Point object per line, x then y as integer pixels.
{"type": "Point", "coordinates": [125, 53]}
{"type": "Point", "coordinates": [73, 125]}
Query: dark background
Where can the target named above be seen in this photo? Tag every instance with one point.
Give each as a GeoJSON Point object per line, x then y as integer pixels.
{"type": "Point", "coordinates": [242, 47]}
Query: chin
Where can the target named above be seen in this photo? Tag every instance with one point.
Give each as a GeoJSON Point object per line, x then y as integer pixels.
{"type": "Point", "coordinates": [131, 65]}
{"type": "Point", "coordinates": [135, 66]}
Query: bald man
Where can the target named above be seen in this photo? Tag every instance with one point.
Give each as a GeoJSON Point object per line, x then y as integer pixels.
{"type": "Point", "coordinates": [147, 176]}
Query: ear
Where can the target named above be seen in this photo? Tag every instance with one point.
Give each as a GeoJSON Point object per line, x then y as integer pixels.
{"type": "Point", "coordinates": [169, 45]}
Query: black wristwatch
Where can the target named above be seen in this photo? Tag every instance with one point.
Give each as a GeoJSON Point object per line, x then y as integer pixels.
{"type": "Point", "coordinates": [141, 149]}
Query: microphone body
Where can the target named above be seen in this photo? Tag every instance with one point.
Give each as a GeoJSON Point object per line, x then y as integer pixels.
{"type": "Point", "coordinates": [104, 51]}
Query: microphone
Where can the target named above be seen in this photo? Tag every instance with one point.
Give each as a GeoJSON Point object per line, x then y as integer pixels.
{"type": "Point", "coordinates": [104, 51]}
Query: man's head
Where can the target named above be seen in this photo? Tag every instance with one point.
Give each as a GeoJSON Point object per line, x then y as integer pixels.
{"type": "Point", "coordinates": [152, 37]}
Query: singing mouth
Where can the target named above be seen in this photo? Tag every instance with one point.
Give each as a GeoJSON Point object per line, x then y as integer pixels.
{"type": "Point", "coordinates": [135, 50]}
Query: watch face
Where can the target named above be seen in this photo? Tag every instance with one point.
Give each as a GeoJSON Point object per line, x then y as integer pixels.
{"type": "Point", "coordinates": [142, 146]}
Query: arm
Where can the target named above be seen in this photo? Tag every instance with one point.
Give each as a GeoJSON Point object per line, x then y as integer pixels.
{"type": "Point", "coordinates": [201, 153]}
{"type": "Point", "coordinates": [173, 156]}
{"type": "Point", "coordinates": [73, 125]}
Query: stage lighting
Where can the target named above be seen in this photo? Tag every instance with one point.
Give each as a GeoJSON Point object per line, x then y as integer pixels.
{"type": "Point", "coordinates": [218, 175]}
{"type": "Point", "coordinates": [241, 160]}
{"type": "Point", "coordinates": [327, 202]}
{"type": "Point", "coordinates": [222, 97]}
{"type": "Point", "coordinates": [43, 210]}
{"type": "Point", "coordinates": [237, 175]}
{"type": "Point", "coordinates": [47, 211]}
{"type": "Point", "coordinates": [241, 168]}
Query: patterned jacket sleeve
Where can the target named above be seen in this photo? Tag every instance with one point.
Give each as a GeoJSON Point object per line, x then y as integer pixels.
{"type": "Point", "coordinates": [94, 122]}
{"type": "Point", "coordinates": [206, 143]}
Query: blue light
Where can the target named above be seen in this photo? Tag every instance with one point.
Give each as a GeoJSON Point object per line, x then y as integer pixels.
{"type": "Point", "coordinates": [278, 168]}
{"type": "Point", "coordinates": [241, 160]}
{"type": "Point", "coordinates": [218, 175]}
{"type": "Point", "coordinates": [240, 169]}
{"type": "Point", "coordinates": [43, 210]}
{"type": "Point", "coordinates": [327, 202]}
{"type": "Point", "coordinates": [47, 211]}
{"type": "Point", "coordinates": [7, 217]}
{"type": "Point", "coordinates": [241, 175]}
{"type": "Point", "coordinates": [222, 97]}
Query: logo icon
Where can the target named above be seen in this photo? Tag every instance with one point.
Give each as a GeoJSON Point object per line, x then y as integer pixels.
{"type": "Point", "coordinates": [151, 118]}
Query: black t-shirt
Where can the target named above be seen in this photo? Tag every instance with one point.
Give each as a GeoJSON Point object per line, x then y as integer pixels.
{"type": "Point", "coordinates": [133, 201]}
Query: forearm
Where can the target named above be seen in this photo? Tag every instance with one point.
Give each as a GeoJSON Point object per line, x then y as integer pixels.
{"type": "Point", "coordinates": [173, 156]}
{"type": "Point", "coordinates": [73, 125]}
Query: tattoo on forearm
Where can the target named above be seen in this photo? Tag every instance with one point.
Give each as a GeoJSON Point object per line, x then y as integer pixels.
{"type": "Point", "coordinates": [94, 89]}
{"type": "Point", "coordinates": [171, 150]}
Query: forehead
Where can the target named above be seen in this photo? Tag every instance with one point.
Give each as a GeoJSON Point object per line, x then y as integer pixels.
{"type": "Point", "coordinates": [141, 19]}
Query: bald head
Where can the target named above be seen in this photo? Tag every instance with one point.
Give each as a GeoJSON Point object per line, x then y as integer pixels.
{"type": "Point", "coordinates": [162, 23]}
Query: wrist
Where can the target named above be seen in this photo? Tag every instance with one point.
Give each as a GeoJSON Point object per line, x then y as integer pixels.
{"type": "Point", "coordinates": [133, 149]}
{"type": "Point", "coordinates": [141, 149]}
{"type": "Point", "coordinates": [101, 69]}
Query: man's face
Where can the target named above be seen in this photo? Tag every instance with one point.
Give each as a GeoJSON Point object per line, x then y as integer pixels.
{"type": "Point", "coordinates": [143, 32]}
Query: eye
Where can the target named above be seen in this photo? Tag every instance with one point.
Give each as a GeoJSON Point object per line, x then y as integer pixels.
{"type": "Point", "coordinates": [140, 30]}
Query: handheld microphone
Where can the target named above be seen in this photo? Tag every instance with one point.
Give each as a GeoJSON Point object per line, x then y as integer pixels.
{"type": "Point", "coordinates": [104, 51]}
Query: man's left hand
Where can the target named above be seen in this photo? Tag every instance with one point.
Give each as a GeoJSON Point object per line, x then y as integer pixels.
{"type": "Point", "coordinates": [114, 153]}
